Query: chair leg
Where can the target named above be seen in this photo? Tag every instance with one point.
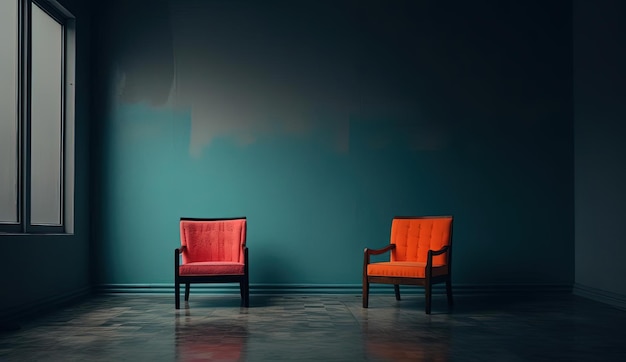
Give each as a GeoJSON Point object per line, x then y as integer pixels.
{"type": "Point", "coordinates": [177, 294]}
{"type": "Point", "coordinates": [366, 292]}
{"type": "Point", "coordinates": [396, 289]}
{"type": "Point", "coordinates": [449, 292]}
{"type": "Point", "coordinates": [428, 288]}
{"type": "Point", "coordinates": [247, 293]}
{"type": "Point", "coordinates": [187, 287]}
{"type": "Point", "coordinates": [242, 292]}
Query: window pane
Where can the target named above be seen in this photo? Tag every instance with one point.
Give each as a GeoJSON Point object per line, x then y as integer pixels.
{"type": "Point", "coordinates": [8, 111]}
{"type": "Point", "coordinates": [46, 118]}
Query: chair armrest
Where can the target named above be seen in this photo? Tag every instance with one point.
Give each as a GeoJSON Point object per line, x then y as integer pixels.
{"type": "Point", "coordinates": [431, 253]}
{"type": "Point", "coordinates": [367, 252]}
{"type": "Point", "coordinates": [177, 253]}
{"type": "Point", "coordinates": [245, 254]}
{"type": "Point", "coordinates": [438, 252]}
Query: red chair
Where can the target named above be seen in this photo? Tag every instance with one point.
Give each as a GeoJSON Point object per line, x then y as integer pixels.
{"type": "Point", "coordinates": [421, 254]}
{"type": "Point", "coordinates": [213, 251]}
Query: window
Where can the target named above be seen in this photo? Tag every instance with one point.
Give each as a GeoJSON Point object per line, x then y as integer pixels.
{"type": "Point", "coordinates": [37, 117]}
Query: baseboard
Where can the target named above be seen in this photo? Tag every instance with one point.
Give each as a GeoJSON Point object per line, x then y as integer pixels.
{"type": "Point", "coordinates": [599, 295]}
{"type": "Point", "coordinates": [350, 289]}
{"type": "Point", "coordinates": [11, 317]}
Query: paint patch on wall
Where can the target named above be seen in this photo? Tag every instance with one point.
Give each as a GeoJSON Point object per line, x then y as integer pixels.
{"type": "Point", "coordinates": [254, 78]}
{"type": "Point", "coordinates": [244, 78]}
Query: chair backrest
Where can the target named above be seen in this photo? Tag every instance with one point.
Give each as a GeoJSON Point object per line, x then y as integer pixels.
{"type": "Point", "coordinates": [415, 236]}
{"type": "Point", "coordinates": [213, 239]}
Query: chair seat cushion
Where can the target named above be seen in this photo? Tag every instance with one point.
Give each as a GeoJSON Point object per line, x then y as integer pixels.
{"type": "Point", "coordinates": [403, 269]}
{"type": "Point", "coordinates": [212, 268]}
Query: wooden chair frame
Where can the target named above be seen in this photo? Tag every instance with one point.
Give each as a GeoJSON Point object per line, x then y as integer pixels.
{"type": "Point", "coordinates": [243, 280]}
{"type": "Point", "coordinates": [426, 282]}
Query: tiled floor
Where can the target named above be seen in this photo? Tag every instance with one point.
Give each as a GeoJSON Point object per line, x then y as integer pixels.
{"type": "Point", "coordinates": [321, 328]}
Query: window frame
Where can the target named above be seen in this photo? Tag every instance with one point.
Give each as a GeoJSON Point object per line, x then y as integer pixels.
{"type": "Point", "coordinates": [67, 142]}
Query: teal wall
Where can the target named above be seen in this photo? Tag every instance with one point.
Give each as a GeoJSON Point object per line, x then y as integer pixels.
{"type": "Point", "coordinates": [320, 121]}
{"type": "Point", "coordinates": [600, 153]}
{"type": "Point", "coordinates": [38, 270]}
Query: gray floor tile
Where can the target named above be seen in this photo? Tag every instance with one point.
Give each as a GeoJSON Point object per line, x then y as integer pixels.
{"type": "Point", "coordinates": [321, 328]}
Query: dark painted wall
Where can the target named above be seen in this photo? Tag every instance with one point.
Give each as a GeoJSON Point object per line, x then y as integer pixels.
{"type": "Point", "coordinates": [39, 269]}
{"type": "Point", "coordinates": [600, 123]}
{"type": "Point", "coordinates": [320, 121]}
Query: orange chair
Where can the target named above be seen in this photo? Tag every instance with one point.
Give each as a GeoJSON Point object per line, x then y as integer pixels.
{"type": "Point", "coordinates": [213, 251]}
{"type": "Point", "coordinates": [421, 254]}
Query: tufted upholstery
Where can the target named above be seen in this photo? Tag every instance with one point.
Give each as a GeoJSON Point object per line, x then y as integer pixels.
{"type": "Point", "coordinates": [405, 269]}
{"type": "Point", "coordinates": [213, 240]}
{"type": "Point", "coordinates": [414, 237]}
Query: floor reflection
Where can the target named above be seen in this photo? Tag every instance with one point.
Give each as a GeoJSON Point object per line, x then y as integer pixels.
{"type": "Point", "coordinates": [389, 346]}
{"type": "Point", "coordinates": [209, 339]}
{"type": "Point", "coordinates": [400, 333]}
{"type": "Point", "coordinates": [320, 328]}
